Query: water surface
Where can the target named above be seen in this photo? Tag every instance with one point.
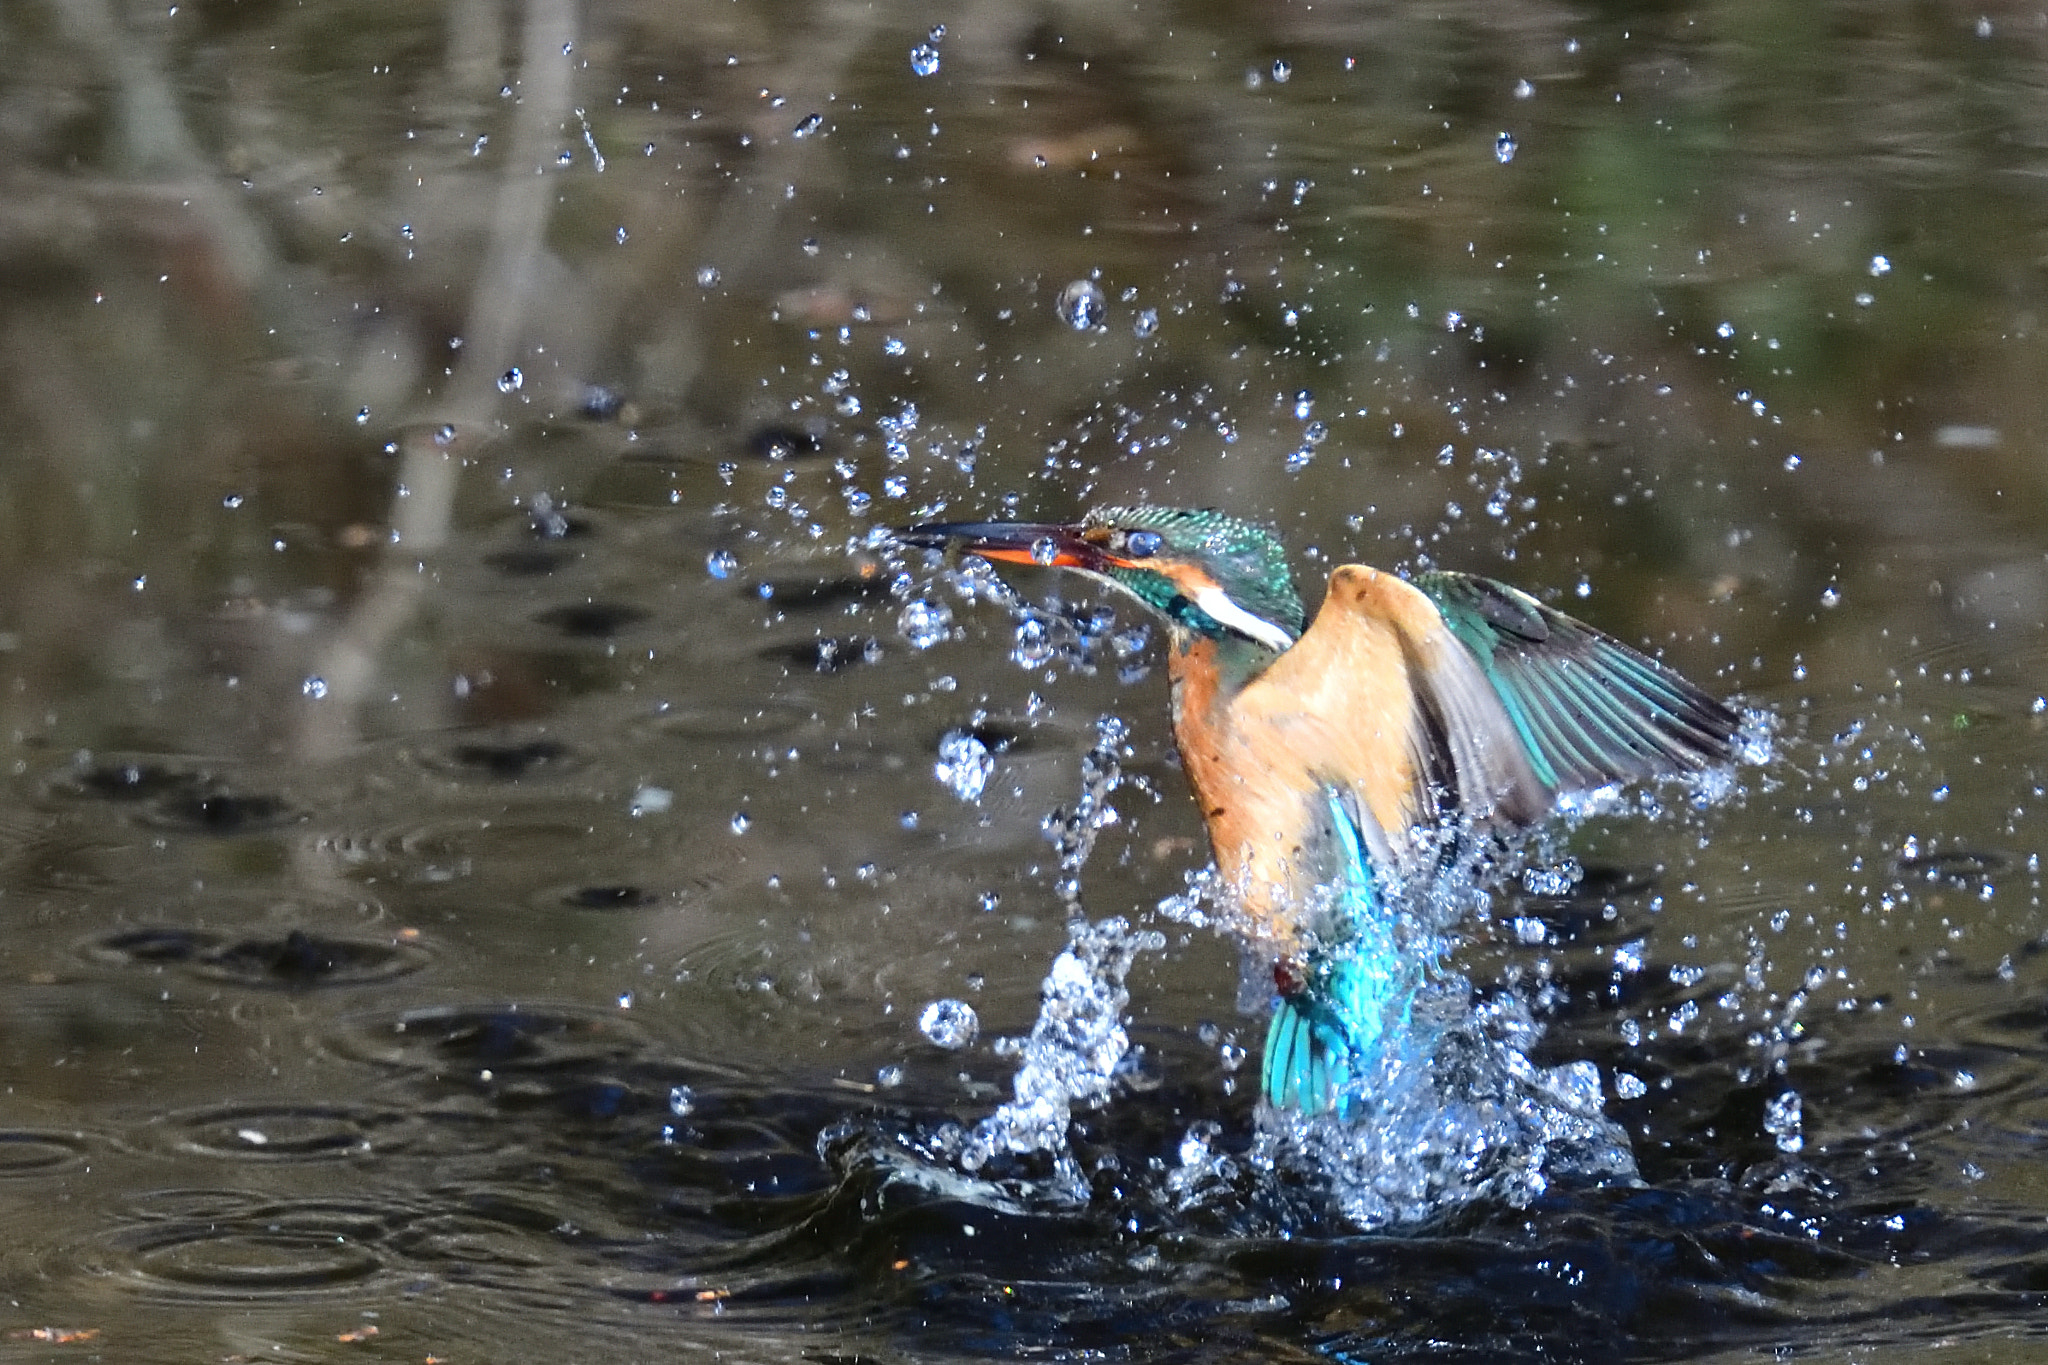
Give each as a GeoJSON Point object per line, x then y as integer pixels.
{"type": "Point", "coordinates": [472, 854]}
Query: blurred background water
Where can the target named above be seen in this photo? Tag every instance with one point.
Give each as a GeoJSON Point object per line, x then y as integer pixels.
{"type": "Point", "coordinates": [472, 856]}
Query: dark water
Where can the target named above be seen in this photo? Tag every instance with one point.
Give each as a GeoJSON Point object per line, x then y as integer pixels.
{"type": "Point", "coordinates": [472, 860]}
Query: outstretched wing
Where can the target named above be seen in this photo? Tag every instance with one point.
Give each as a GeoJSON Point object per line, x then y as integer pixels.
{"type": "Point", "coordinates": [1381, 697]}
{"type": "Point", "coordinates": [1588, 709]}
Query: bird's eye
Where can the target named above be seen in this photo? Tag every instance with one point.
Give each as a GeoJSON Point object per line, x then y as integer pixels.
{"type": "Point", "coordinates": [1143, 544]}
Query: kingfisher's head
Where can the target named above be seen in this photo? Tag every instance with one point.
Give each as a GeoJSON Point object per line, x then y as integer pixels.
{"type": "Point", "coordinates": [1208, 574]}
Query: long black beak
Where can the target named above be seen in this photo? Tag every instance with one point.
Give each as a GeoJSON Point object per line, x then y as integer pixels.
{"type": "Point", "coordinates": [1013, 542]}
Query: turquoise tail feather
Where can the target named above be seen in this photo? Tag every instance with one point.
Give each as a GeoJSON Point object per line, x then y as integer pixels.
{"type": "Point", "coordinates": [1308, 1057]}
{"type": "Point", "coordinates": [1335, 1025]}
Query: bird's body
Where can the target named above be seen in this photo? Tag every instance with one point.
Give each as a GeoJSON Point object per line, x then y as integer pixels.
{"type": "Point", "coordinates": [1345, 707]}
{"type": "Point", "coordinates": [1335, 765]}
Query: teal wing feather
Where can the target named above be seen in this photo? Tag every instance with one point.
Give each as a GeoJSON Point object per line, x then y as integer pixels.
{"type": "Point", "coordinates": [1588, 709]}
{"type": "Point", "coordinates": [1358, 990]}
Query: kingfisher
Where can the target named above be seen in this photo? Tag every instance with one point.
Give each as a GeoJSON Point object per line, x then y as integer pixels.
{"type": "Point", "coordinates": [1344, 763]}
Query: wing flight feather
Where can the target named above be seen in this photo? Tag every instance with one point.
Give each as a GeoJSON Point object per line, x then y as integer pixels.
{"type": "Point", "coordinates": [1589, 709]}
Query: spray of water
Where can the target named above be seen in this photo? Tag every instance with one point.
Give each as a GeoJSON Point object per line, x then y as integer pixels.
{"type": "Point", "coordinates": [1078, 1041]}
{"type": "Point", "coordinates": [1071, 1057]}
{"type": "Point", "coordinates": [1453, 1111]}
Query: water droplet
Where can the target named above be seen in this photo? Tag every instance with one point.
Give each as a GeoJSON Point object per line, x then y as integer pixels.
{"type": "Point", "coordinates": [1504, 148]}
{"type": "Point", "coordinates": [1282, 70]}
{"type": "Point", "coordinates": [510, 380]}
{"type": "Point", "coordinates": [924, 60]}
{"type": "Point", "coordinates": [231, 501]}
{"type": "Point", "coordinates": [1033, 646]}
{"type": "Point", "coordinates": [1880, 265]}
{"type": "Point", "coordinates": [1524, 90]}
{"type": "Point", "coordinates": [707, 277]}
{"type": "Point", "coordinates": [925, 624]}
{"type": "Point", "coordinates": [889, 1077]}
{"type": "Point", "coordinates": [1725, 330]}
{"type": "Point", "coordinates": [811, 123]}
{"type": "Point", "coordinates": [619, 234]}
{"type": "Point", "coordinates": [810, 246]}
{"type": "Point", "coordinates": [1791, 462]}
{"type": "Point", "coordinates": [1146, 323]}
{"type": "Point", "coordinates": [1300, 458]}
{"type": "Point", "coordinates": [893, 346]}
{"type": "Point", "coordinates": [937, 33]}
{"type": "Point", "coordinates": [1315, 433]}
{"type": "Point", "coordinates": [362, 417]}
{"type": "Point", "coordinates": [316, 688]}
{"type": "Point", "coordinates": [681, 1101]}
{"type": "Point", "coordinates": [1304, 404]}
{"type": "Point", "coordinates": [1628, 1086]}
{"type": "Point", "coordinates": [1081, 305]}
{"type": "Point", "coordinates": [1783, 1121]}
{"type": "Point", "coordinates": [951, 1024]}
{"type": "Point", "coordinates": [965, 765]}
{"type": "Point", "coordinates": [741, 822]}
{"type": "Point", "coordinates": [721, 563]}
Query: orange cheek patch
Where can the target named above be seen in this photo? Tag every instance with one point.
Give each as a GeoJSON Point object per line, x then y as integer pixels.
{"type": "Point", "coordinates": [1186, 579]}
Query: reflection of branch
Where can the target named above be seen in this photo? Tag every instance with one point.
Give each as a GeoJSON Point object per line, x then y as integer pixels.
{"type": "Point", "coordinates": [431, 456]}
{"type": "Point", "coordinates": [505, 284]}
{"type": "Point", "coordinates": [155, 138]}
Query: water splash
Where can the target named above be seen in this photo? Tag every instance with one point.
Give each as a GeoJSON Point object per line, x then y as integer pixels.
{"type": "Point", "coordinates": [1071, 1057]}
{"type": "Point", "coordinates": [1455, 1113]}
{"type": "Point", "coordinates": [1079, 1041]}
{"type": "Point", "coordinates": [1074, 832]}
